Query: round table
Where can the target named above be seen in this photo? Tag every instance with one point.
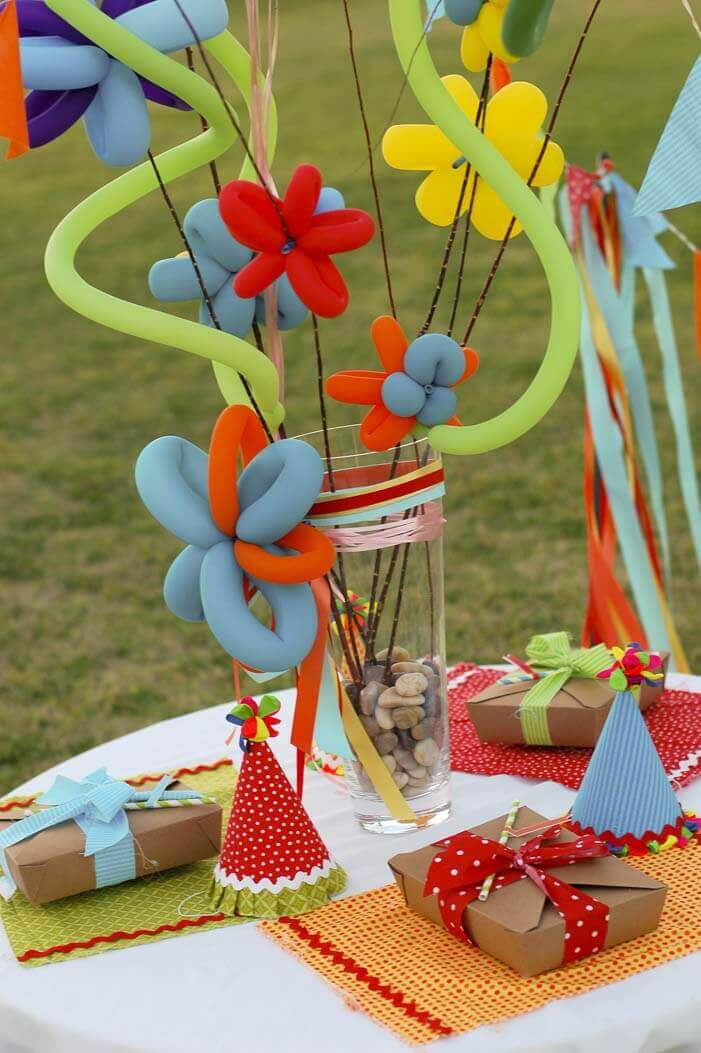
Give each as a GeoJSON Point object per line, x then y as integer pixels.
{"type": "Point", "coordinates": [233, 988]}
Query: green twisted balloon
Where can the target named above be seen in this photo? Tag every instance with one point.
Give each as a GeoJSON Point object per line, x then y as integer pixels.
{"type": "Point", "coordinates": [557, 362]}
{"type": "Point", "coordinates": [231, 356]}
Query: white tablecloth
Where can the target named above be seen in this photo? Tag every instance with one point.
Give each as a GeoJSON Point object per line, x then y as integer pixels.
{"type": "Point", "coordinates": [234, 990]}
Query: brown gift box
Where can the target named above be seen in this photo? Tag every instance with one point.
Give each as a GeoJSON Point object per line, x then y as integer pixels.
{"type": "Point", "coordinates": [576, 715]}
{"type": "Point", "coordinates": [517, 924]}
{"type": "Point", "coordinates": [51, 865]}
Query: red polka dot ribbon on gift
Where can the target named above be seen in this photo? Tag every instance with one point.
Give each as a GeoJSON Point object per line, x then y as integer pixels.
{"type": "Point", "coordinates": [458, 870]}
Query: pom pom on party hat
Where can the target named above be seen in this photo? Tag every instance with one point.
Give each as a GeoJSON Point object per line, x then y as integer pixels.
{"type": "Point", "coordinates": [273, 861]}
{"type": "Point", "coordinates": [625, 796]}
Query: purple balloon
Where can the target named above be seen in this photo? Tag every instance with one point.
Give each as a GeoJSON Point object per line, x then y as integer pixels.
{"type": "Point", "coordinates": [155, 93]}
{"type": "Point", "coordinates": [115, 8]}
{"type": "Point", "coordinates": [35, 19]}
{"type": "Point", "coordinates": [51, 113]}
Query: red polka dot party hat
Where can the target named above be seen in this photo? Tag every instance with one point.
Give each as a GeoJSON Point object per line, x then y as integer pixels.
{"type": "Point", "coordinates": [273, 861]}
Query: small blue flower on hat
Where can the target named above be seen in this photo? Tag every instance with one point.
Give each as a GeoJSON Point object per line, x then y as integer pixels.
{"type": "Point", "coordinates": [219, 259]}
{"type": "Point", "coordinates": [433, 364]}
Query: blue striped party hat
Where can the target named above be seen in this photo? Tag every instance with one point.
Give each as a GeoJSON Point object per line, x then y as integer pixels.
{"type": "Point", "coordinates": [673, 177]}
{"type": "Point", "coordinates": [625, 792]}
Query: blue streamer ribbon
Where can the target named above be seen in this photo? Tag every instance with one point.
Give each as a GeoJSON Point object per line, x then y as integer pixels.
{"type": "Point", "coordinates": [96, 804]}
{"type": "Point", "coordinates": [674, 391]}
{"type": "Point", "coordinates": [610, 457]}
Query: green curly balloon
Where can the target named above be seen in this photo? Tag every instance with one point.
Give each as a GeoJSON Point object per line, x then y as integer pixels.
{"type": "Point", "coordinates": [555, 368]}
{"type": "Point", "coordinates": [231, 356]}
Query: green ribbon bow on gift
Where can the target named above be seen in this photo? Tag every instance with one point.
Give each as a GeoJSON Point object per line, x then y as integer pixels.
{"type": "Point", "coordinates": [552, 651]}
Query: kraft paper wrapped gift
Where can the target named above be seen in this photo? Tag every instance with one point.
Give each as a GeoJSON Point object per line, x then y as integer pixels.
{"type": "Point", "coordinates": [145, 838]}
{"type": "Point", "coordinates": [574, 716]}
{"type": "Point", "coordinates": [518, 924]}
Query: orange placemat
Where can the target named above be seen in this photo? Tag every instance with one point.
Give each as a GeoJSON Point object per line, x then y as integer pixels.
{"type": "Point", "coordinates": [420, 982]}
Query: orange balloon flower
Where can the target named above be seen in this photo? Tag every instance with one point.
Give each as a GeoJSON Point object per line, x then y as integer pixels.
{"type": "Point", "coordinates": [414, 387]}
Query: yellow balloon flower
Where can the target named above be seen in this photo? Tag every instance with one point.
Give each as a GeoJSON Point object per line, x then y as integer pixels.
{"type": "Point", "coordinates": [483, 36]}
{"type": "Point", "coordinates": [513, 122]}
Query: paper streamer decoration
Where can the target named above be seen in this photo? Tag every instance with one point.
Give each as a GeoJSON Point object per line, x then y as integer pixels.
{"type": "Point", "coordinates": [534, 403]}
{"type": "Point", "coordinates": [230, 355]}
{"type": "Point", "coordinates": [673, 177]}
{"type": "Point", "coordinates": [615, 243]}
{"type": "Point", "coordinates": [13, 117]}
{"type": "Point", "coordinates": [619, 510]}
{"type": "Point", "coordinates": [676, 402]}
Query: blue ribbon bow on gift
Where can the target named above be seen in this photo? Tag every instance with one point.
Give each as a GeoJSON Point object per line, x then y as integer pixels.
{"type": "Point", "coordinates": [96, 804]}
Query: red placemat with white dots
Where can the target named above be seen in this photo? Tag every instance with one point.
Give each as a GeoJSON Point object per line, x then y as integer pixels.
{"type": "Point", "coordinates": [674, 722]}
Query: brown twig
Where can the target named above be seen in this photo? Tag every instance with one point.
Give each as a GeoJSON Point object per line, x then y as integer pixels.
{"type": "Point", "coordinates": [397, 609]}
{"type": "Point", "coordinates": [548, 135]}
{"type": "Point", "coordinates": [355, 671]}
{"type": "Point", "coordinates": [378, 563]}
{"type": "Point", "coordinates": [371, 160]}
{"type": "Point", "coordinates": [402, 89]}
{"type": "Point", "coordinates": [465, 240]}
{"type": "Point", "coordinates": [343, 584]}
{"type": "Point", "coordinates": [203, 288]}
{"type": "Point", "coordinates": [340, 583]}
{"type": "Point", "coordinates": [458, 208]}
{"type": "Point", "coordinates": [382, 598]}
{"type": "Point", "coordinates": [322, 402]}
{"type": "Point", "coordinates": [232, 116]}
{"type": "Point", "coordinates": [205, 125]}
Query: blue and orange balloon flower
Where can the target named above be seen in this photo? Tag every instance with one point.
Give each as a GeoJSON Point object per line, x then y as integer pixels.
{"type": "Point", "coordinates": [415, 386]}
{"type": "Point", "coordinates": [244, 535]}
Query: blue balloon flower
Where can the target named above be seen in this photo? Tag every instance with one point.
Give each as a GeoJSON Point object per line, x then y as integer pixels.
{"type": "Point", "coordinates": [71, 77]}
{"type": "Point", "coordinates": [242, 535]}
{"type": "Point", "coordinates": [433, 364]}
{"type": "Point", "coordinates": [463, 12]}
{"type": "Point", "coordinates": [219, 259]}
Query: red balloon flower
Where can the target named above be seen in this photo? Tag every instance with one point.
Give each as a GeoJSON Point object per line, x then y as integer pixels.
{"type": "Point", "coordinates": [288, 237]}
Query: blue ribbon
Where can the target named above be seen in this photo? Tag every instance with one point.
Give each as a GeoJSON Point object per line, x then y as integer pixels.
{"type": "Point", "coordinates": [96, 804]}
{"type": "Point", "coordinates": [611, 459]}
{"type": "Point", "coordinates": [676, 402]}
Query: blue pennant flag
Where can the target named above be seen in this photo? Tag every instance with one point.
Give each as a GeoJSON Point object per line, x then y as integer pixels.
{"type": "Point", "coordinates": [673, 177]}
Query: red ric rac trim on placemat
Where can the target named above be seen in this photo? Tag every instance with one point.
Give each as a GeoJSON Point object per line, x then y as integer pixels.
{"type": "Point", "coordinates": [637, 846]}
{"type": "Point", "coordinates": [349, 965]}
{"type": "Point", "coordinates": [7, 806]}
{"type": "Point", "coordinates": [114, 937]}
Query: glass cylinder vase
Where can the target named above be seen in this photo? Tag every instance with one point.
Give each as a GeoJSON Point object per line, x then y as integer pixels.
{"type": "Point", "coordinates": [383, 512]}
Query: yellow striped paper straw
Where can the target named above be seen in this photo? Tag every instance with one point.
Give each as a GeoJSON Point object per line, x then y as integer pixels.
{"type": "Point", "coordinates": [503, 838]}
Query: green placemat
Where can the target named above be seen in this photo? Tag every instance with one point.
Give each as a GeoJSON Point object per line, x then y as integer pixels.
{"type": "Point", "coordinates": [140, 911]}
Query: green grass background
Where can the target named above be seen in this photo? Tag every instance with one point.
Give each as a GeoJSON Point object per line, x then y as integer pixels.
{"type": "Point", "coordinates": [88, 650]}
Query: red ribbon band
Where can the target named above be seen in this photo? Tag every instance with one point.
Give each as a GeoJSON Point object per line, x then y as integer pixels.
{"type": "Point", "coordinates": [458, 871]}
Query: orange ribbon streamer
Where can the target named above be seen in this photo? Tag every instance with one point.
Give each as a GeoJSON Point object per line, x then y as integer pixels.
{"type": "Point", "coordinates": [13, 116]}
{"type": "Point", "coordinates": [239, 432]}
